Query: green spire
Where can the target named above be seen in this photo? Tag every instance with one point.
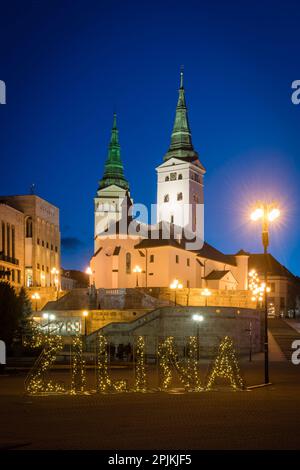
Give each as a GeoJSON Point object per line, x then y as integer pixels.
{"type": "Point", "coordinates": [181, 140]}
{"type": "Point", "coordinates": [114, 171]}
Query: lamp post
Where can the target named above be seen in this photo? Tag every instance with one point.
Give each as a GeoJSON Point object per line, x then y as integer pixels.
{"type": "Point", "coordinates": [36, 296]}
{"type": "Point", "coordinates": [176, 285]}
{"type": "Point", "coordinates": [85, 314]}
{"type": "Point", "coordinates": [50, 317]}
{"type": "Point", "coordinates": [206, 293]}
{"type": "Point", "coordinates": [137, 270]}
{"type": "Point", "coordinates": [266, 213]}
{"type": "Point", "coordinates": [198, 319]}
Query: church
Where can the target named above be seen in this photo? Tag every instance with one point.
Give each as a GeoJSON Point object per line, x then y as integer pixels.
{"type": "Point", "coordinates": [129, 253]}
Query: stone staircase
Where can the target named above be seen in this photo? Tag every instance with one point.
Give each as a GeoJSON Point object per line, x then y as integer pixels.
{"type": "Point", "coordinates": [284, 335]}
{"type": "Point", "coordinates": [76, 299]}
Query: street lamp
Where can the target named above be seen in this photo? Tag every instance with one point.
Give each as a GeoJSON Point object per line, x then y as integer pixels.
{"type": "Point", "coordinates": [36, 296]}
{"type": "Point", "coordinates": [266, 213]}
{"type": "Point", "coordinates": [50, 317]}
{"type": "Point", "coordinates": [206, 293]}
{"type": "Point", "coordinates": [176, 285]}
{"type": "Point", "coordinates": [85, 314]}
{"type": "Point", "coordinates": [198, 319]}
{"type": "Point", "coordinates": [137, 270]}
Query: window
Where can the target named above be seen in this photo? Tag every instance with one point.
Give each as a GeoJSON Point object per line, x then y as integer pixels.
{"type": "Point", "coordinates": [151, 259]}
{"type": "Point", "coordinates": [166, 198]}
{"type": "Point", "coordinates": [43, 267]}
{"type": "Point", "coordinates": [172, 219]}
{"type": "Point", "coordinates": [177, 259]}
{"type": "Point", "coordinates": [272, 286]}
{"type": "Point", "coordinates": [13, 275]}
{"type": "Point", "coordinates": [19, 276]}
{"type": "Point", "coordinates": [13, 241]}
{"type": "Point", "coordinates": [180, 176]}
{"type": "Point", "coordinates": [188, 261]}
{"type": "Point", "coordinates": [167, 178]}
{"type": "Point", "coordinates": [47, 245]}
{"type": "Point", "coordinates": [195, 198]}
{"type": "Point", "coordinates": [29, 227]}
{"type": "Point", "coordinates": [38, 241]}
{"type": "Point", "coordinates": [56, 249]}
{"type": "Point", "coordinates": [173, 176]}
{"type": "Point", "coordinates": [179, 197]}
{"type": "Point", "coordinates": [128, 263]}
{"type": "Point", "coordinates": [43, 243]}
{"type": "Point", "coordinates": [38, 265]}
{"type": "Point", "coordinates": [47, 269]}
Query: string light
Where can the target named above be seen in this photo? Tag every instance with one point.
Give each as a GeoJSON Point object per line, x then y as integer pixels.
{"type": "Point", "coordinates": [78, 384]}
{"type": "Point", "coordinates": [104, 382]}
{"type": "Point", "coordinates": [140, 373]}
{"type": "Point", "coordinates": [36, 382]}
{"type": "Point", "coordinates": [226, 366]}
{"type": "Point", "coordinates": [168, 359]}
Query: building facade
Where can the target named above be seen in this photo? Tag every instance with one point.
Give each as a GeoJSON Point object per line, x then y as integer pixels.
{"type": "Point", "coordinates": [128, 253]}
{"type": "Point", "coordinates": [37, 239]}
{"type": "Point", "coordinates": [12, 239]}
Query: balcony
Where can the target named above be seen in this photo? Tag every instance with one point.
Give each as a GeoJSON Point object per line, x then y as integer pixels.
{"type": "Point", "coordinates": [8, 259]}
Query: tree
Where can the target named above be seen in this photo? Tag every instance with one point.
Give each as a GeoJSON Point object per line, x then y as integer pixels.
{"type": "Point", "coordinates": [10, 313]}
{"type": "Point", "coordinates": [25, 305]}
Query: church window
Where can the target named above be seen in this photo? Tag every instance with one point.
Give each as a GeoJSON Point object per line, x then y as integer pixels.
{"type": "Point", "coordinates": [177, 259]}
{"type": "Point", "coordinates": [167, 178]}
{"type": "Point", "coordinates": [29, 227]}
{"type": "Point", "coordinates": [128, 263]}
{"type": "Point", "coordinates": [179, 197]}
{"type": "Point", "coordinates": [166, 198]}
{"type": "Point", "coordinates": [180, 176]}
{"type": "Point", "coordinates": [173, 176]}
{"type": "Point", "coordinates": [172, 219]}
{"type": "Point", "coordinates": [151, 260]}
{"type": "Point", "coordinates": [188, 261]}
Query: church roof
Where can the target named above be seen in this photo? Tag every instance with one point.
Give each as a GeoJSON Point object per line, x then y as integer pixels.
{"type": "Point", "coordinates": [181, 139]}
{"type": "Point", "coordinates": [113, 170]}
{"type": "Point", "coordinates": [208, 251]}
{"type": "Point", "coordinates": [216, 275]}
{"type": "Point", "coordinates": [257, 262]}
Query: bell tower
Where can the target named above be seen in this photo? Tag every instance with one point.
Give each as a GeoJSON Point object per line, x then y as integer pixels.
{"type": "Point", "coordinates": [113, 187]}
{"type": "Point", "coordinates": [180, 176]}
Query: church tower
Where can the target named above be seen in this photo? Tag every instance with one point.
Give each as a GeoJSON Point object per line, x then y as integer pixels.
{"type": "Point", "coordinates": [113, 187]}
{"type": "Point", "coordinates": [180, 176]}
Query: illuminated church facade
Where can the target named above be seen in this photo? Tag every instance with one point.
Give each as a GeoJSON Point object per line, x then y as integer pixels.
{"type": "Point", "coordinates": [129, 253]}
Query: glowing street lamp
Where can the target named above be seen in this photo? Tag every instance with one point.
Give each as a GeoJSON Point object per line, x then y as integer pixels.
{"type": "Point", "coordinates": [85, 314]}
{"type": "Point", "coordinates": [266, 213]}
{"type": "Point", "coordinates": [206, 293]}
{"type": "Point", "coordinates": [50, 317]}
{"type": "Point", "coordinates": [176, 285]}
{"type": "Point", "coordinates": [137, 270]}
{"type": "Point", "coordinates": [36, 296]}
{"type": "Point", "coordinates": [198, 319]}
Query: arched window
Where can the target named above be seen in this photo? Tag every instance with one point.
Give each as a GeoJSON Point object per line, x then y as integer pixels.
{"type": "Point", "coordinates": [128, 263]}
{"type": "Point", "coordinates": [179, 197]}
{"type": "Point", "coordinates": [166, 198]}
{"type": "Point", "coordinates": [167, 178]}
{"type": "Point", "coordinates": [29, 227]}
{"type": "Point", "coordinates": [180, 176]}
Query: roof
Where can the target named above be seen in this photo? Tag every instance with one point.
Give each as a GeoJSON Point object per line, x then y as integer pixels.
{"type": "Point", "coordinates": [215, 275]}
{"type": "Point", "coordinates": [257, 262]}
{"type": "Point", "coordinates": [208, 251]}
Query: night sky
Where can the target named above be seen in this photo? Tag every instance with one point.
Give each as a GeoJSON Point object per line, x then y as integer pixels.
{"type": "Point", "coordinates": [68, 65]}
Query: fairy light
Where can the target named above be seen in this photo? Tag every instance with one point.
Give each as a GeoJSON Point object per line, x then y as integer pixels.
{"type": "Point", "coordinates": [168, 359]}
{"type": "Point", "coordinates": [226, 366]}
{"type": "Point", "coordinates": [256, 287]}
{"type": "Point", "coordinates": [78, 384]}
{"type": "Point", "coordinates": [36, 381]}
{"type": "Point", "coordinates": [140, 373]}
{"type": "Point", "coordinates": [104, 382]}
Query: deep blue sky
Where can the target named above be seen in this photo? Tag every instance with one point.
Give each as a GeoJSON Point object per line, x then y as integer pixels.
{"type": "Point", "coordinates": [69, 64]}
